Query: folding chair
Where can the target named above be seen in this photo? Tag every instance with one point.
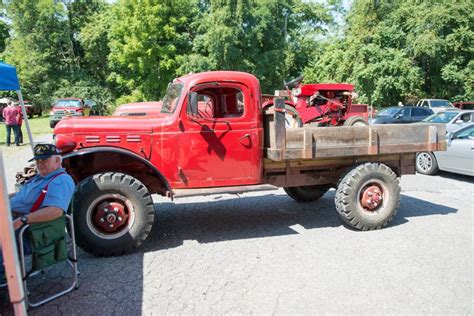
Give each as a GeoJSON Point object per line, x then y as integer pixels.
{"type": "Point", "coordinates": [49, 248]}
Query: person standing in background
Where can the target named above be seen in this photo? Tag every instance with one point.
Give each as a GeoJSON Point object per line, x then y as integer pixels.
{"type": "Point", "coordinates": [20, 122]}
{"type": "Point", "coordinates": [11, 115]}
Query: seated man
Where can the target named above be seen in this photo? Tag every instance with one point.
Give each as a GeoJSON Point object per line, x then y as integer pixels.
{"type": "Point", "coordinates": [44, 197]}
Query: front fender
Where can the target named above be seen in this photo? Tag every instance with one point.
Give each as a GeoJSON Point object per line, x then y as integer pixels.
{"type": "Point", "coordinates": [91, 160]}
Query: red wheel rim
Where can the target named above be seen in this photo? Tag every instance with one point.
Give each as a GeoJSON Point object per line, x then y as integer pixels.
{"type": "Point", "coordinates": [110, 216]}
{"type": "Point", "coordinates": [371, 197]}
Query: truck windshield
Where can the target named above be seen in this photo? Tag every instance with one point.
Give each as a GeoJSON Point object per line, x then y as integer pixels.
{"type": "Point", "coordinates": [170, 101]}
{"type": "Point", "coordinates": [440, 103]}
{"type": "Point", "coordinates": [68, 103]}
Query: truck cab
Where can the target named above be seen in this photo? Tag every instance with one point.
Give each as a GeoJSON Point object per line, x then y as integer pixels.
{"type": "Point", "coordinates": [436, 105]}
{"type": "Point", "coordinates": [209, 133]}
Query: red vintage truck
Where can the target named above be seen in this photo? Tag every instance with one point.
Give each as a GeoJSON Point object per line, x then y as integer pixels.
{"type": "Point", "coordinates": [213, 135]}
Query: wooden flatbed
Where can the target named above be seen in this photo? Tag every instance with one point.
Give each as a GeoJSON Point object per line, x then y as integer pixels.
{"type": "Point", "coordinates": [318, 155]}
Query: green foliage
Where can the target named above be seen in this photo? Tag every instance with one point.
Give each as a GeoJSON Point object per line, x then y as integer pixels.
{"type": "Point", "coordinates": [145, 42]}
{"type": "Point", "coordinates": [4, 35]}
{"type": "Point", "coordinates": [397, 51]}
{"type": "Point", "coordinates": [128, 50]}
{"type": "Point", "coordinates": [267, 38]}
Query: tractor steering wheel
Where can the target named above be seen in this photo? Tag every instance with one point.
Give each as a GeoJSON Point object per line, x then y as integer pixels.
{"type": "Point", "coordinates": [293, 83]}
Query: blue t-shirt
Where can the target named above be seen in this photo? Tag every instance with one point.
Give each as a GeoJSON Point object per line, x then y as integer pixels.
{"type": "Point", "coordinates": [59, 194]}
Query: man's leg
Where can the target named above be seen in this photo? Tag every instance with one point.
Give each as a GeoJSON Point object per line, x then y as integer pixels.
{"type": "Point", "coordinates": [9, 130]}
{"type": "Point", "coordinates": [17, 134]}
{"type": "Point", "coordinates": [20, 135]}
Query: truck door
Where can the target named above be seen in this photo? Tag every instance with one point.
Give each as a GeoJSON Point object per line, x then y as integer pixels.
{"type": "Point", "coordinates": [220, 140]}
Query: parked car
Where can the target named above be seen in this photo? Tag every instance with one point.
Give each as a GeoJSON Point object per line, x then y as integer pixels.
{"type": "Point", "coordinates": [458, 158]}
{"type": "Point", "coordinates": [69, 107]}
{"type": "Point", "coordinates": [436, 105]}
{"type": "Point", "coordinates": [469, 105]}
{"type": "Point", "coordinates": [454, 119]}
{"type": "Point", "coordinates": [31, 109]}
{"type": "Point", "coordinates": [139, 109]}
{"type": "Point", "coordinates": [401, 115]}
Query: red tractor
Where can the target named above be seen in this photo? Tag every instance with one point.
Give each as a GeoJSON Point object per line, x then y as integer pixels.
{"type": "Point", "coordinates": [326, 104]}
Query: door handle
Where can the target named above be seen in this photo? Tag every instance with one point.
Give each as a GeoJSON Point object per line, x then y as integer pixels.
{"type": "Point", "coordinates": [246, 135]}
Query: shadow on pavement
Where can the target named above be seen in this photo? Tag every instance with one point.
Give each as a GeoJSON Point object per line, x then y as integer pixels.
{"type": "Point", "coordinates": [115, 285]}
{"type": "Point", "coordinates": [255, 217]}
{"type": "Point", "coordinates": [455, 176]}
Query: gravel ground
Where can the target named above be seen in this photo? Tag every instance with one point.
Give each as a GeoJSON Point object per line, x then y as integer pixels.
{"type": "Point", "coordinates": [262, 253]}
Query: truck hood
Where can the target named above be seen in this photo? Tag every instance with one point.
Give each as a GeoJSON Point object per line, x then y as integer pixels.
{"type": "Point", "coordinates": [104, 124]}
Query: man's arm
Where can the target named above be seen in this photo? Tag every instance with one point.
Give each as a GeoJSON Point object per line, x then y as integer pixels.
{"type": "Point", "coordinates": [45, 214]}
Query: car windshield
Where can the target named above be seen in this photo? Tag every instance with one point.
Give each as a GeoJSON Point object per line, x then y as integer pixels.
{"type": "Point", "coordinates": [388, 112]}
{"type": "Point", "coordinates": [170, 101]}
{"type": "Point", "coordinates": [440, 103]}
{"type": "Point", "coordinates": [68, 103]}
{"type": "Point", "coordinates": [442, 117]}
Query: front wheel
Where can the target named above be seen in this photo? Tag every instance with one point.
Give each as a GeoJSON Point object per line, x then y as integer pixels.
{"type": "Point", "coordinates": [368, 196]}
{"type": "Point", "coordinates": [306, 193]}
{"type": "Point", "coordinates": [113, 213]}
{"type": "Point", "coordinates": [426, 163]}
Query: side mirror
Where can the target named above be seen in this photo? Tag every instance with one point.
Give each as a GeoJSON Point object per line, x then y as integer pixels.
{"type": "Point", "coordinates": [450, 135]}
{"type": "Point", "coordinates": [193, 103]}
{"type": "Point", "coordinates": [459, 121]}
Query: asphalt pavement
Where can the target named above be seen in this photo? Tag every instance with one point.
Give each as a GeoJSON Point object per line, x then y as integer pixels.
{"type": "Point", "coordinates": [263, 253]}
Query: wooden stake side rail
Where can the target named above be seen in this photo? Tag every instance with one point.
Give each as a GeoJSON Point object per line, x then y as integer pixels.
{"type": "Point", "coordinates": [328, 170]}
{"type": "Point", "coordinates": [330, 142]}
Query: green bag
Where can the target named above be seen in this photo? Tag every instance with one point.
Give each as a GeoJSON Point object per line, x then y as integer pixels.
{"type": "Point", "coordinates": [48, 243]}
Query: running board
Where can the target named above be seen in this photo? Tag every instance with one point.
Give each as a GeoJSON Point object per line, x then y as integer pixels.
{"type": "Point", "coordinates": [181, 193]}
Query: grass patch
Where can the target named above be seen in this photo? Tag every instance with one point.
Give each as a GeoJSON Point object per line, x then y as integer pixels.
{"type": "Point", "coordinates": [38, 125]}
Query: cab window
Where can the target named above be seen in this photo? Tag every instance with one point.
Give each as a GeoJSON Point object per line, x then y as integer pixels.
{"type": "Point", "coordinates": [218, 103]}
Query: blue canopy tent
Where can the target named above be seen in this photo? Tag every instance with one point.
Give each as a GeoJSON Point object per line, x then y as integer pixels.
{"type": "Point", "coordinates": [9, 81]}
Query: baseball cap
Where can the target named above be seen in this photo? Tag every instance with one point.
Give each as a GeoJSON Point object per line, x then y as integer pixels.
{"type": "Point", "coordinates": [43, 151]}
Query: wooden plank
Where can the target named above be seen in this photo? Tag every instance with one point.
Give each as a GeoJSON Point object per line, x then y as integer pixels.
{"type": "Point", "coordinates": [325, 142]}
{"type": "Point", "coordinates": [280, 130]}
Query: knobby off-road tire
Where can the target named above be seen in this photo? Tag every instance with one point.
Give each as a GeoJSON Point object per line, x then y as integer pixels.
{"type": "Point", "coordinates": [355, 121]}
{"type": "Point", "coordinates": [307, 193]}
{"type": "Point", "coordinates": [426, 163]}
{"type": "Point", "coordinates": [369, 182]}
{"type": "Point", "coordinates": [113, 214]}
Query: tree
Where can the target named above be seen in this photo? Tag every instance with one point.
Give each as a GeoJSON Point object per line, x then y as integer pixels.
{"type": "Point", "coordinates": [145, 42]}
{"type": "Point", "coordinates": [267, 38]}
{"type": "Point", "coordinates": [393, 51]}
{"type": "Point", "coordinates": [44, 45]}
{"type": "Point", "coordinates": [4, 35]}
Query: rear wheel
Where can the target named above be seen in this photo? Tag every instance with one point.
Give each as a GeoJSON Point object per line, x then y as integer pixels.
{"type": "Point", "coordinates": [368, 196]}
{"type": "Point", "coordinates": [426, 163]}
{"type": "Point", "coordinates": [113, 213]}
{"type": "Point", "coordinates": [307, 193]}
{"type": "Point", "coordinates": [355, 121]}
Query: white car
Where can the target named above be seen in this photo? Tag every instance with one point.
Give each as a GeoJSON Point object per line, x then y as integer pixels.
{"type": "Point", "coordinates": [458, 158]}
{"type": "Point", "coordinates": [436, 105]}
{"type": "Point", "coordinates": [454, 119]}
